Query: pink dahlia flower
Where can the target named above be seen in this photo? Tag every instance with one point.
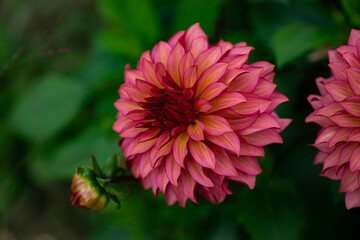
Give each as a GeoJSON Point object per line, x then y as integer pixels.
{"type": "Point", "coordinates": [337, 111]}
{"type": "Point", "coordinates": [194, 116]}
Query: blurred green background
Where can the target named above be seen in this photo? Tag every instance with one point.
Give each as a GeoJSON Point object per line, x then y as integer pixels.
{"type": "Point", "coordinates": [61, 63]}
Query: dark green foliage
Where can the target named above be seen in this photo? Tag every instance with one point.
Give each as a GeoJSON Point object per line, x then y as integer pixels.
{"type": "Point", "coordinates": [61, 63]}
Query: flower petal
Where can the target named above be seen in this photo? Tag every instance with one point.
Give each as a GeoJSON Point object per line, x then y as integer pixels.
{"type": "Point", "coordinates": [172, 169]}
{"type": "Point", "coordinates": [196, 130]}
{"type": "Point", "coordinates": [202, 154]}
{"type": "Point", "coordinates": [207, 59]}
{"type": "Point", "coordinates": [215, 125]}
{"type": "Point", "coordinates": [180, 148]}
{"type": "Point", "coordinates": [196, 171]}
{"type": "Point", "coordinates": [353, 76]}
{"type": "Point", "coordinates": [229, 141]}
{"type": "Point", "coordinates": [209, 76]}
{"type": "Point", "coordinates": [225, 100]}
{"type": "Point", "coordinates": [339, 90]}
{"type": "Point", "coordinates": [173, 62]}
{"type": "Point", "coordinates": [212, 91]}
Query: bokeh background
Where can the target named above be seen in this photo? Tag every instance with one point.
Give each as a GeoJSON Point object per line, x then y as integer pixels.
{"type": "Point", "coordinates": [61, 63]}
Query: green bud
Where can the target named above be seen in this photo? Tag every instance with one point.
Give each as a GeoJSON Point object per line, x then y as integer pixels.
{"type": "Point", "coordinates": [86, 191]}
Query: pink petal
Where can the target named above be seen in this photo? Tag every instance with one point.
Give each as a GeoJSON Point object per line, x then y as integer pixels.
{"type": "Point", "coordinates": [345, 155]}
{"type": "Point", "coordinates": [249, 165]}
{"type": "Point", "coordinates": [170, 196]}
{"type": "Point", "coordinates": [173, 62]}
{"type": "Point", "coordinates": [207, 59]}
{"type": "Point", "coordinates": [202, 154]}
{"type": "Point", "coordinates": [352, 199]}
{"type": "Point", "coordinates": [185, 63]}
{"type": "Point", "coordinates": [333, 158]}
{"type": "Point", "coordinates": [276, 98]}
{"type": "Point", "coordinates": [231, 74]}
{"type": "Point", "coordinates": [349, 181]}
{"type": "Point", "coordinates": [329, 110]}
{"type": "Point", "coordinates": [354, 36]}
{"type": "Point", "coordinates": [326, 134]}
{"type": "Point", "coordinates": [352, 106]}
{"type": "Point", "coordinates": [352, 60]}
{"type": "Point", "coordinates": [144, 164]}
{"type": "Point", "coordinates": [263, 138]}
{"type": "Point", "coordinates": [267, 68]}
{"type": "Point", "coordinates": [163, 139]}
{"type": "Point", "coordinates": [180, 148]}
{"type": "Point", "coordinates": [144, 55]}
{"type": "Point", "coordinates": [340, 136]}
{"type": "Point", "coordinates": [126, 105]}
{"type": "Point", "coordinates": [242, 122]}
{"type": "Point", "coordinates": [196, 171]}
{"type": "Point", "coordinates": [132, 75]}
{"type": "Point", "coordinates": [134, 93]}
{"type": "Point", "coordinates": [156, 154]}
{"type": "Point", "coordinates": [249, 180]}
{"type": "Point", "coordinates": [355, 160]}
{"type": "Point", "coordinates": [225, 100]}
{"type": "Point", "coordinates": [252, 105]}
{"type": "Point", "coordinates": [354, 136]}
{"type": "Point", "coordinates": [235, 61]}
{"type": "Point", "coordinates": [175, 39]}
{"type": "Point", "coordinates": [241, 50]}
{"type": "Point", "coordinates": [212, 91]}
{"type": "Point", "coordinates": [223, 165]}
{"type": "Point", "coordinates": [264, 88]}
{"type": "Point", "coordinates": [353, 76]}
{"type": "Point", "coordinates": [338, 70]}
{"type": "Point", "coordinates": [229, 141]}
{"type": "Point", "coordinates": [319, 158]}
{"type": "Point", "coordinates": [191, 34]}
{"type": "Point", "coordinates": [263, 121]}
{"type": "Point", "coordinates": [202, 106]}
{"type": "Point", "coordinates": [160, 52]}
{"type": "Point", "coordinates": [149, 73]}
{"type": "Point", "coordinates": [196, 130]}
{"type": "Point", "coordinates": [187, 185]}
{"type": "Point", "coordinates": [215, 125]}
{"type": "Point", "coordinates": [162, 179]}
{"type": "Point", "coordinates": [343, 119]}
{"type": "Point", "coordinates": [335, 56]}
{"type": "Point", "coordinates": [136, 147]}
{"type": "Point", "coordinates": [246, 82]}
{"type": "Point", "coordinates": [150, 134]}
{"type": "Point", "coordinates": [172, 169]}
{"type": "Point", "coordinates": [250, 150]}
{"type": "Point", "coordinates": [190, 77]}
{"type": "Point", "coordinates": [198, 46]}
{"type": "Point", "coordinates": [209, 76]}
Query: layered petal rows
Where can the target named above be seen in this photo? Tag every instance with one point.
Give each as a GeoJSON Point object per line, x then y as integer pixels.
{"type": "Point", "coordinates": [337, 111]}
{"type": "Point", "coordinates": [193, 116]}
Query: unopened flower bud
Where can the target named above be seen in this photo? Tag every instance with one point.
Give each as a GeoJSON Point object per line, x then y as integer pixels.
{"type": "Point", "coordinates": [86, 191]}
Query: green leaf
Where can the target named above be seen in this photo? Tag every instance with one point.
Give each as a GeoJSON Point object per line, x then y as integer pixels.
{"type": "Point", "coordinates": [114, 200]}
{"type": "Point", "coordinates": [101, 182]}
{"type": "Point", "coordinates": [85, 172]}
{"type": "Point", "coordinates": [113, 164]}
{"type": "Point", "coordinates": [61, 163]}
{"type": "Point", "coordinates": [122, 44]}
{"type": "Point", "coordinates": [192, 11]}
{"type": "Point", "coordinates": [136, 17]}
{"type": "Point", "coordinates": [352, 9]}
{"type": "Point", "coordinates": [96, 167]}
{"type": "Point", "coordinates": [47, 107]}
{"type": "Point", "coordinates": [294, 40]}
{"type": "Point", "coordinates": [273, 212]}
{"type": "Point", "coordinates": [119, 189]}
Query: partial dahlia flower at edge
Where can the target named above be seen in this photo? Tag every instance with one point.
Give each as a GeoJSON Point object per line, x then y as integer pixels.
{"type": "Point", "coordinates": [337, 111]}
{"type": "Point", "coordinates": [193, 117]}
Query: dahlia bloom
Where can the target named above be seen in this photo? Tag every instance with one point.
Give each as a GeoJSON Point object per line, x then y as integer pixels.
{"type": "Point", "coordinates": [337, 111]}
{"type": "Point", "coordinates": [194, 116]}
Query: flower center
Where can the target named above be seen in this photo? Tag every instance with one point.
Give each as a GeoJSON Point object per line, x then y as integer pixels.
{"type": "Point", "coordinates": [170, 109]}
